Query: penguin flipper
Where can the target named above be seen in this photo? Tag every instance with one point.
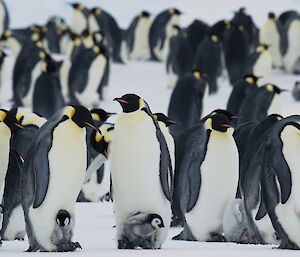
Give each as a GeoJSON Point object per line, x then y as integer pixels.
{"type": "Point", "coordinates": [262, 210]}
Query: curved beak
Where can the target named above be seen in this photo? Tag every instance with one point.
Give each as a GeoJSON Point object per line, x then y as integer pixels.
{"type": "Point", "coordinates": [226, 126]}
{"type": "Point", "coordinates": [18, 125]}
{"type": "Point", "coordinates": [92, 126]}
{"type": "Point", "coordinates": [121, 101]}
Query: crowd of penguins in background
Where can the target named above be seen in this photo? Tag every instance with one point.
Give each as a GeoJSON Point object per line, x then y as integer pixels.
{"type": "Point", "coordinates": [231, 176]}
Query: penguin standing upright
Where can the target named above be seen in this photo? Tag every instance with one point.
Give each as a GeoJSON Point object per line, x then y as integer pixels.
{"type": "Point", "coordinates": [137, 37]}
{"type": "Point", "coordinates": [101, 20]}
{"type": "Point", "coordinates": [4, 17]}
{"type": "Point", "coordinates": [208, 60]}
{"type": "Point", "coordinates": [79, 18]}
{"type": "Point", "coordinates": [211, 162]}
{"type": "Point", "coordinates": [187, 101]}
{"type": "Point", "coordinates": [271, 33]}
{"type": "Point", "coordinates": [280, 180]}
{"type": "Point", "coordinates": [133, 180]}
{"type": "Point", "coordinates": [160, 31]}
{"type": "Point", "coordinates": [55, 26]}
{"type": "Point", "coordinates": [240, 91]}
{"type": "Point", "coordinates": [236, 52]}
{"type": "Point", "coordinates": [180, 58]}
{"type": "Point", "coordinates": [259, 63]}
{"type": "Point", "coordinates": [49, 173]}
{"type": "Point", "coordinates": [47, 96]}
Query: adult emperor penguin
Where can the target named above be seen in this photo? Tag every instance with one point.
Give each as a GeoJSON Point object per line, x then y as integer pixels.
{"type": "Point", "coordinates": [79, 18]}
{"type": "Point", "coordinates": [47, 96]}
{"type": "Point", "coordinates": [259, 63]}
{"type": "Point", "coordinates": [208, 60]}
{"type": "Point", "coordinates": [137, 37]}
{"type": "Point", "coordinates": [187, 101]}
{"type": "Point", "coordinates": [260, 103]}
{"type": "Point", "coordinates": [196, 32]}
{"type": "Point", "coordinates": [239, 92]}
{"type": "Point", "coordinates": [272, 34]}
{"type": "Point", "coordinates": [160, 31]}
{"type": "Point", "coordinates": [211, 162]}
{"type": "Point", "coordinates": [49, 173]}
{"type": "Point", "coordinates": [292, 55]}
{"type": "Point", "coordinates": [55, 26]}
{"type": "Point", "coordinates": [296, 91]}
{"type": "Point", "coordinates": [4, 17]}
{"type": "Point", "coordinates": [133, 181]}
{"type": "Point", "coordinates": [280, 181]}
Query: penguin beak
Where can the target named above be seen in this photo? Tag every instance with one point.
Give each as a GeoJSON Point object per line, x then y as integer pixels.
{"type": "Point", "coordinates": [92, 126]}
{"type": "Point", "coordinates": [111, 113]}
{"type": "Point", "coordinates": [226, 126]}
{"type": "Point", "coordinates": [18, 125]}
{"type": "Point", "coordinates": [284, 90]}
{"type": "Point", "coordinates": [121, 101]}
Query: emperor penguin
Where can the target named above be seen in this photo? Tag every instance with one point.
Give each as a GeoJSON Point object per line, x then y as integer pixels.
{"type": "Point", "coordinates": [4, 17]}
{"type": "Point", "coordinates": [208, 60]}
{"type": "Point", "coordinates": [239, 92]}
{"type": "Point", "coordinates": [160, 33]}
{"type": "Point", "coordinates": [137, 37]}
{"type": "Point", "coordinates": [2, 58]}
{"type": "Point", "coordinates": [49, 173]}
{"type": "Point", "coordinates": [187, 101]}
{"type": "Point", "coordinates": [259, 63]}
{"type": "Point", "coordinates": [10, 40]}
{"type": "Point", "coordinates": [271, 33]}
{"type": "Point", "coordinates": [211, 162]}
{"type": "Point", "coordinates": [196, 32]}
{"type": "Point", "coordinates": [296, 91]}
{"type": "Point", "coordinates": [79, 18]}
{"type": "Point", "coordinates": [280, 180]}
{"type": "Point", "coordinates": [286, 16]}
{"type": "Point", "coordinates": [47, 96]}
{"type": "Point", "coordinates": [134, 180]}
{"type": "Point", "coordinates": [236, 52]}
{"type": "Point", "coordinates": [55, 26]}
{"type": "Point", "coordinates": [291, 57]}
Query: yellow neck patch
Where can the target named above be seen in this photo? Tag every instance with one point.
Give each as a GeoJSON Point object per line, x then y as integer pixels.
{"type": "Point", "coordinates": [96, 117]}
{"type": "Point", "coordinates": [270, 88]}
{"type": "Point", "coordinates": [197, 75]}
{"type": "Point", "coordinates": [69, 111]}
{"type": "Point", "coordinates": [8, 33]}
{"type": "Point", "coordinates": [98, 137]}
{"type": "Point", "coordinates": [260, 49]}
{"type": "Point", "coordinates": [250, 80]}
{"type": "Point", "coordinates": [214, 38]}
{"type": "Point", "coordinates": [2, 115]}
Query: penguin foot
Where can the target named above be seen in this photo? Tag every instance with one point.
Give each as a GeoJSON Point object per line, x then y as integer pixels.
{"type": "Point", "coordinates": [215, 237]}
{"type": "Point", "coordinates": [125, 244]}
{"type": "Point", "coordinates": [69, 247]}
{"type": "Point", "coordinates": [288, 246]}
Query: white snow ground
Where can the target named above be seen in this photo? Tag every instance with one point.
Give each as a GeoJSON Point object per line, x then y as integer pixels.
{"type": "Point", "coordinates": [94, 221]}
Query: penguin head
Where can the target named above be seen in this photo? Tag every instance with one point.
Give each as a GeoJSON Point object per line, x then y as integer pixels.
{"type": "Point", "coordinates": [63, 218]}
{"type": "Point", "coordinates": [144, 14]}
{"type": "Point", "coordinates": [174, 11]}
{"type": "Point", "coordinates": [6, 35]}
{"type": "Point", "coordinates": [227, 24]}
{"type": "Point", "coordinates": [80, 116]}
{"type": "Point", "coordinates": [262, 48]}
{"type": "Point", "coordinates": [251, 79]}
{"type": "Point", "coordinates": [10, 120]}
{"type": "Point", "coordinates": [163, 118]}
{"type": "Point", "coordinates": [101, 141]}
{"type": "Point", "coordinates": [96, 11]}
{"type": "Point", "coordinates": [197, 74]}
{"type": "Point", "coordinates": [76, 39]}
{"type": "Point", "coordinates": [155, 220]}
{"type": "Point", "coordinates": [214, 38]}
{"type": "Point", "coordinates": [101, 115]}
{"type": "Point", "coordinates": [25, 117]}
{"type": "Point", "coordinates": [131, 103]}
{"type": "Point", "coordinates": [77, 6]}
{"type": "Point", "coordinates": [218, 122]}
{"type": "Point", "coordinates": [226, 113]}
{"type": "Point", "coordinates": [49, 64]}
{"type": "Point", "coordinates": [271, 16]}
{"type": "Point", "coordinates": [98, 37]}
{"type": "Point", "coordinates": [274, 89]}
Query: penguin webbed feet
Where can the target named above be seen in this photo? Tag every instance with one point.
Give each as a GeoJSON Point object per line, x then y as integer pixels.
{"type": "Point", "coordinates": [69, 247]}
{"type": "Point", "coordinates": [216, 237]}
{"type": "Point", "coordinates": [125, 244]}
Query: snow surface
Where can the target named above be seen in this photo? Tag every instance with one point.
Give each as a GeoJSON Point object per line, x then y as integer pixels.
{"type": "Point", "coordinates": [94, 224]}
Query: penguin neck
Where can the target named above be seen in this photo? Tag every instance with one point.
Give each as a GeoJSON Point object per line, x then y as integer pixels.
{"type": "Point", "coordinates": [131, 119]}
{"type": "Point", "coordinates": [14, 46]}
{"type": "Point", "coordinates": [88, 42]}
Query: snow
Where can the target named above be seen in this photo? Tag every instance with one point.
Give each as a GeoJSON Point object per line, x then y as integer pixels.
{"type": "Point", "coordinates": [94, 224]}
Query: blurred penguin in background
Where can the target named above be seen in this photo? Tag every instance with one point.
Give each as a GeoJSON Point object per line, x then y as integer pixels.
{"type": "Point", "coordinates": [2, 57]}
{"type": "Point", "coordinates": [296, 91]}
{"type": "Point", "coordinates": [4, 17]}
{"type": "Point", "coordinates": [79, 18]}
{"type": "Point", "coordinates": [161, 32]}
{"type": "Point", "coordinates": [137, 37]}
{"type": "Point", "coordinates": [180, 57]}
{"type": "Point", "coordinates": [208, 60]}
{"type": "Point", "coordinates": [272, 34]}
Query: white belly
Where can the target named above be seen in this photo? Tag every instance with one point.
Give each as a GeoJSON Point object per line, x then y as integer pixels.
{"type": "Point", "coordinates": [93, 24]}
{"type": "Point", "coordinates": [269, 35]}
{"type": "Point", "coordinates": [293, 53]}
{"type": "Point", "coordinates": [79, 22]}
{"type": "Point", "coordinates": [219, 178]}
{"type": "Point", "coordinates": [135, 158]}
{"type": "Point", "coordinates": [263, 66]}
{"type": "Point", "coordinates": [64, 78]}
{"type": "Point", "coordinates": [66, 179]}
{"type": "Point", "coordinates": [275, 107]}
{"type": "Point", "coordinates": [36, 72]}
{"type": "Point", "coordinates": [141, 40]}
{"type": "Point", "coordinates": [16, 225]}
{"type": "Point", "coordinates": [289, 213]}
{"type": "Point", "coordinates": [4, 156]}
{"type": "Point", "coordinates": [90, 97]}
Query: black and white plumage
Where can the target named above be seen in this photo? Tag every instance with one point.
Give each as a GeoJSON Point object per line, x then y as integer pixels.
{"type": "Point", "coordinates": [4, 17]}
{"type": "Point", "coordinates": [79, 18]}
{"type": "Point", "coordinates": [296, 91]}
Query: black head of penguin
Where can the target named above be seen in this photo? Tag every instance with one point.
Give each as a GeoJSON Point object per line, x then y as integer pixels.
{"type": "Point", "coordinates": [219, 28]}
{"type": "Point", "coordinates": [50, 65]}
{"type": "Point", "coordinates": [231, 117]}
{"type": "Point", "coordinates": [251, 79]}
{"type": "Point", "coordinates": [145, 14]}
{"type": "Point", "coordinates": [130, 102]}
{"type": "Point", "coordinates": [155, 220]}
{"type": "Point", "coordinates": [9, 118]}
{"type": "Point", "coordinates": [95, 11]}
{"type": "Point", "coordinates": [101, 115]}
{"type": "Point", "coordinates": [63, 218]}
{"type": "Point", "coordinates": [175, 11]}
{"type": "Point", "coordinates": [274, 89]}
{"type": "Point", "coordinates": [163, 118]}
{"type": "Point", "coordinates": [80, 116]}
{"type": "Point", "coordinates": [218, 122]}
{"type": "Point", "coordinates": [271, 15]}
{"type": "Point", "coordinates": [77, 6]}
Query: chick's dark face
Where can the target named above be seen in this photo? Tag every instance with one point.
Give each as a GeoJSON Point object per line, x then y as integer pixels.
{"type": "Point", "coordinates": [10, 120]}
{"type": "Point", "coordinates": [129, 102]}
{"type": "Point", "coordinates": [98, 143]}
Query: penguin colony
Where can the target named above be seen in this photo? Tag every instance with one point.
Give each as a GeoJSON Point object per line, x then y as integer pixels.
{"type": "Point", "coordinates": [230, 176]}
